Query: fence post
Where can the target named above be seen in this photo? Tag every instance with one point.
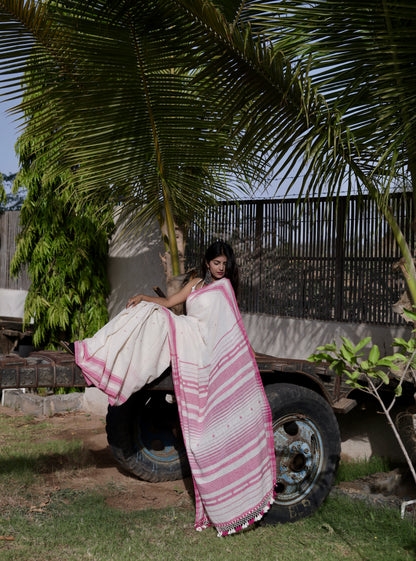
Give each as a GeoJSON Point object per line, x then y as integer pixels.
{"type": "Point", "coordinates": [340, 215]}
{"type": "Point", "coordinates": [258, 251]}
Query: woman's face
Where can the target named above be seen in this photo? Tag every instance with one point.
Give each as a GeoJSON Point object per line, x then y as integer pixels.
{"type": "Point", "coordinates": [217, 266]}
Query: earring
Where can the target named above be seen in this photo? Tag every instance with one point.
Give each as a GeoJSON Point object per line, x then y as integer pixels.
{"type": "Point", "coordinates": [208, 277]}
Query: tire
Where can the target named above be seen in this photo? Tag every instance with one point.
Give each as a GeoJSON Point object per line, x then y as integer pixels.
{"type": "Point", "coordinates": [307, 446]}
{"type": "Point", "coordinates": [145, 437]}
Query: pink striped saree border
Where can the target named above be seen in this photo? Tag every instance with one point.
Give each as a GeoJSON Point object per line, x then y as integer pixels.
{"type": "Point", "coordinates": [234, 472]}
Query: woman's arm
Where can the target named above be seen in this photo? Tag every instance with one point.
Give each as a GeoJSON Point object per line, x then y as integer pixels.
{"type": "Point", "coordinates": [170, 302]}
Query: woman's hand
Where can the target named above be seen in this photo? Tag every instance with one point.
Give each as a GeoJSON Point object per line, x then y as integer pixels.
{"type": "Point", "coordinates": [178, 298]}
{"type": "Point", "coordinates": [134, 300]}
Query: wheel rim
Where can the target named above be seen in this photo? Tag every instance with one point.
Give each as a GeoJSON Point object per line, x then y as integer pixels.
{"type": "Point", "coordinates": [158, 437]}
{"type": "Point", "coordinates": [299, 457]}
{"type": "Point", "coordinates": [158, 444]}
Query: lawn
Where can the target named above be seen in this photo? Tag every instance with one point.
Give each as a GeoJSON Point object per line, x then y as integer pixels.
{"type": "Point", "coordinates": [41, 521]}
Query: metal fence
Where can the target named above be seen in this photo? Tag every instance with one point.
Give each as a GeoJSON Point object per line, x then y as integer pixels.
{"type": "Point", "coordinates": [326, 260]}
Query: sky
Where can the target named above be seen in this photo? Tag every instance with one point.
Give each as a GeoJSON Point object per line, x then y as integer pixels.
{"type": "Point", "coordinates": [8, 136]}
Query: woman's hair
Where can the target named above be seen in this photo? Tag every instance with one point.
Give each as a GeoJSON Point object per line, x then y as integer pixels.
{"type": "Point", "coordinates": [216, 249]}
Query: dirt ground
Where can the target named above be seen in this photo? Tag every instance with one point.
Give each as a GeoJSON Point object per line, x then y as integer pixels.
{"type": "Point", "coordinates": [99, 471]}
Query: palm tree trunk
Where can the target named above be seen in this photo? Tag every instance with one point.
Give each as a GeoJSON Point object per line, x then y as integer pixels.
{"type": "Point", "coordinates": [385, 210]}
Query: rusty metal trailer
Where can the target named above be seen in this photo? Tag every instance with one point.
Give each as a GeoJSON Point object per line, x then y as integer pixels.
{"type": "Point", "coordinates": [145, 435]}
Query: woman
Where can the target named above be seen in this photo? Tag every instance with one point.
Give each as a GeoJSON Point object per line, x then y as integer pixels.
{"type": "Point", "coordinates": [219, 262]}
{"type": "Point", "coordinates": [225, 417]}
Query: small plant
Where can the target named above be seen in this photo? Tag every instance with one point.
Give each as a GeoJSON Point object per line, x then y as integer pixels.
{"type": "Point", "coordinates": [371, 374]}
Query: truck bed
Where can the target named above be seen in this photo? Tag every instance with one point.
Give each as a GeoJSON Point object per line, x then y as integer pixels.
{"type": "Point", "coordinates": [54, 369]}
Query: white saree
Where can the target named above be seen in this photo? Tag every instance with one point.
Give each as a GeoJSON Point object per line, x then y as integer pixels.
{"type": "Point", "coordinates": [225, 417]}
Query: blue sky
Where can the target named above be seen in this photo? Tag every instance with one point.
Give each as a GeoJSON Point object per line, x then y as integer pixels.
{"type": "Point", "coordinates": [8, 137]}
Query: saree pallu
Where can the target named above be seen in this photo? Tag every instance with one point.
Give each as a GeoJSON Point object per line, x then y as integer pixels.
{"type": "Point", "coordinates": [225, 417]}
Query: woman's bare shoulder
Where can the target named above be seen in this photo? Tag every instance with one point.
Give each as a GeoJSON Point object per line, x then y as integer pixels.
{"type": "Point", "coordinates": [196, 283]}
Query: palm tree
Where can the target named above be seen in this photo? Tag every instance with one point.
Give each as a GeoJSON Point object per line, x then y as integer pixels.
{"type": "Point", "coordinates": [325, 94]}
{"type": "Point", "coordinates": [356, 128]}
{"type": "Point", "coordinates": [120, 109]}
{"type": "Point", "coordinates": [322, 91]}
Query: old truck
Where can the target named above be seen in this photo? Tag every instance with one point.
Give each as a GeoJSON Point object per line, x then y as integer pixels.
{"type": "Point", "coordinates": [144, 434]}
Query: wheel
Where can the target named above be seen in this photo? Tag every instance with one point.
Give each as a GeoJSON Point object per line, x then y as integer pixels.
{"type": "Point", "coordinates": [145, 437]}
{"type": "Point", "coordinates": [307, 445]}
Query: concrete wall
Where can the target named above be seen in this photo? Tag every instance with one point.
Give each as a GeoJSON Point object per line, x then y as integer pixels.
{"type": "Point", "coordinates": [12, 303]}
{"type": "Point", "coordinates": [299, 338]}
{"type": "Point", "coordinates": [134, 266]}
{"type": "Point", "coordinates": [364, 430]}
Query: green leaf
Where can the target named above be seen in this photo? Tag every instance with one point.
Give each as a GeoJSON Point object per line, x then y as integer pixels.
{"type": "Point", "coordinates": [411, 315]}
{"type": "Point", "coordinates": [347, 354]}
{"type": "Point", "coordinates": [320, 357]}
{"type": "Point", "coordinates": [338, 367]}
{"type": "Point", "coordinates": [389, 363]}
{"type": "Point", "coordinates": [398, 341]}
{"type": "Point", "coordinates": [329, 347]}
{"type": "Point", "coordinates": [355, 384]}
{"type": "Point", "coordinates": [348, 345]}
{"type": "Point", "coordinates": [374, 354]}
{"type": "Point", "coordinates": [398, 391]}
{"type": "Point", "coordinates": [362, 344]}
{"type": "Point", "coordinates": [353, 375]}
{"type": "Point", "coordinates": [382, 376]}
{"type": "Point", "coordinates": [365, 366]}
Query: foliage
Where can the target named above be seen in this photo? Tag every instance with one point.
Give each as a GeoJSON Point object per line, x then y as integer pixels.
{"type": "Point", "coordinates": [63, 242]}
{"type": "Point", "coordinates": [347, 360]}
{"type": "Point", "coordinates": [355, 122]}
{"type": "Point", "coordinates": [66, 255]}
{"type": "Point", "coordinates": [65, 250]}
{"type": "Point", "coordinates": [370, 374]}
{"type": "Point", "coordinates": [121, 99]}
{"type": "Point", "coordinates": [409, 348]}
{"type": "Point", "coordinates": [155, 102]}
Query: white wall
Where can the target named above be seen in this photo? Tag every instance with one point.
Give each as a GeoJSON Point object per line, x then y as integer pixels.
{"type": "Point", "coordinates": [364, 432]}
{"type": "Point", "coordinates": [134, 266]}
{"type": "Point", "coordinates": [299, 338]}
{"type": "Point", "coordinates": [12, 303]}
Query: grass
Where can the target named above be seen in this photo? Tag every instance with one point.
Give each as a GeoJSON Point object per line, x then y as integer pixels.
{"type": "Point", "coordinates": [22, 459]}
{"type": "Point", "coordinates": [79, 526]}
{"type": "Point", "coordinates": [350, 471]}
